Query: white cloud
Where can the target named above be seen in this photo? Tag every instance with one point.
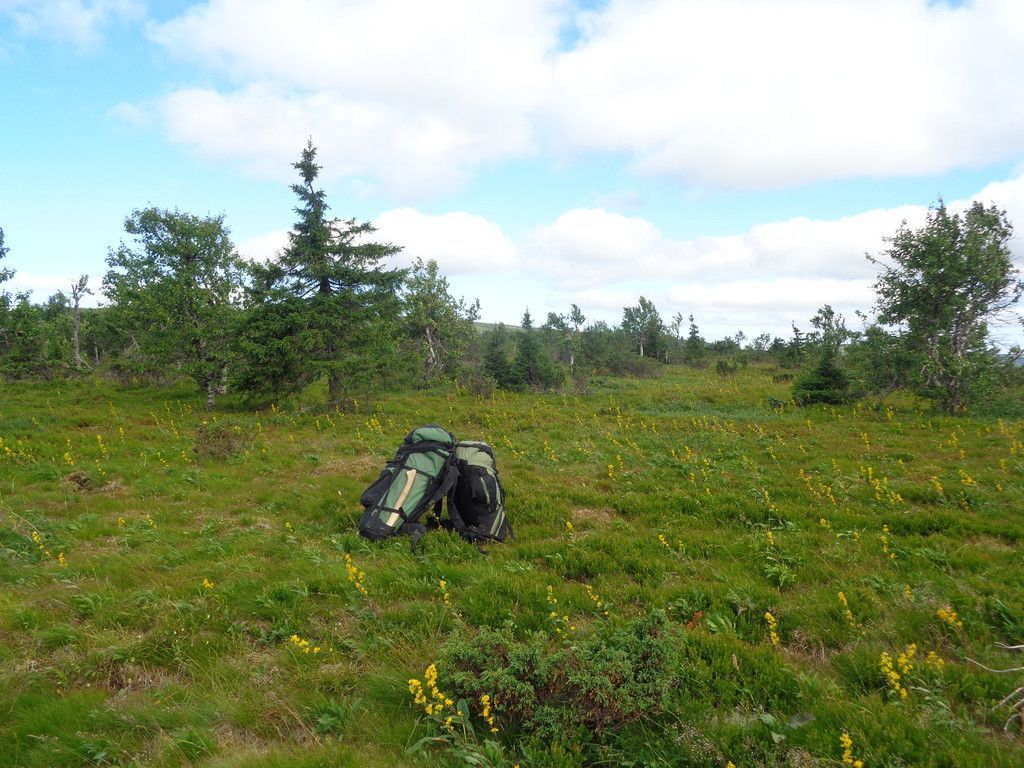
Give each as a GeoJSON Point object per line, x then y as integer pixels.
{"type": "Point", "coordinates": [78, 21]}
{"type": "Point", "coordinates": [411, 95]}
{"type": "Point", "coordinates": [135, 115]}
{"type": "Point", "coordinates": [760, 280]}
{"type": "Point", "coordinates": [769, 304]}
{"type": "Point", "coordinates": [262, 128]}
{"type": "Point", "coordinates": [264, 247]}
{"type": "Point", "coordinates": [43, 286]}
{"type": "Point", "coordinates": [736, 93]}
{"type": "Point", "coordinates": [593, 247]}
{"type": "Point", "coordinates": [756, 94]}
{"type": "Point", "coordinates": [461, 243]}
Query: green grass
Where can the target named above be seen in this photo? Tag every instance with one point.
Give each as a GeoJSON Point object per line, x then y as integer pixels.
{"type": "Point", "coordinates": [121, 656]}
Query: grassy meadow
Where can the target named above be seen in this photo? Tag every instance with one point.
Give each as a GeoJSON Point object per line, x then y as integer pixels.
{"type": "Point", "coordinates": [178, 588]}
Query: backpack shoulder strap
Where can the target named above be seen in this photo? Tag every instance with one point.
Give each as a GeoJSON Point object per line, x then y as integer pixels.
{"type": "Point", "coordinates": [451, 476]}
{"type": "Point", "coordinates": [453, 514]}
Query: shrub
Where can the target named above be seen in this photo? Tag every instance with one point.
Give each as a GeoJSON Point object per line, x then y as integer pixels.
{"type": "Point", "coordinates": [600, 683]}
{"type": "Point", "coordinates": [726, 368]}
{"type": "Point", "coordinates": [478, 383]}
{"type": "Point", "coordinates": [219, 440]}
{"type": "Point", "coordinates": [825, 382]}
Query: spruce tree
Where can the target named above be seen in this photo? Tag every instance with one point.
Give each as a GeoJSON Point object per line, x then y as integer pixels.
{"type": "Point", "coordinates": [325, 307]}
{"type": "Point", "coordinates": [496, 357]}
{"type": "Point", "coordinates": [532, 368]}
{"type": "Point", "coordinates": [694, 348]}
{"type": "Point", "coordinates": [824, 382]}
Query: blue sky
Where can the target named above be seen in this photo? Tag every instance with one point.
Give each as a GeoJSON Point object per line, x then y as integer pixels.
{"type": "Point", "coordinates": [731, 159]}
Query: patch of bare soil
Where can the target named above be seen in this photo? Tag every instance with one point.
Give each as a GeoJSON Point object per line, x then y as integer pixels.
{"type": "Point", "coordinates": [602, 516]}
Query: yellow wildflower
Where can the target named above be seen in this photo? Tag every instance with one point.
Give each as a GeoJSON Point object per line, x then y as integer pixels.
{"type": "Point", "coordinates": [948, 615]}
{"type": "Point", "coordinates": [847, 613]}
{"type": "Point", "coordinates": [773, 628]}
{"type": "Point", "coordinates": [355, 575]}
{"type": "Point", "coordinates": [847, 744]}
{"type": "Point", "coordinates": [485, 702]}
{"type": "Point", "coordinates": [892, 677]}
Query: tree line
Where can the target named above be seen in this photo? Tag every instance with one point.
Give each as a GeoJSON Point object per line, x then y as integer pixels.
{"type": "Point", "coordinates": [327, 308]}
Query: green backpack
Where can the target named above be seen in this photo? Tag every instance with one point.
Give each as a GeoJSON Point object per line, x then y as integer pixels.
{"type": "Point", "coordinates": [476, 503]}
{"type": "Point", "coordinates": [421, 474]}
{"type": "Point", "coordinates": [428, 467]}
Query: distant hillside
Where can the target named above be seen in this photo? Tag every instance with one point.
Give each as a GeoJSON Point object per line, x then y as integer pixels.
{"type": "Point", "coordinates": [482, 328]}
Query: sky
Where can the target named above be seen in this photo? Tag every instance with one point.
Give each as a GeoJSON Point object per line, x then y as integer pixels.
{"type": "Point", "coordinates": [730, 159]}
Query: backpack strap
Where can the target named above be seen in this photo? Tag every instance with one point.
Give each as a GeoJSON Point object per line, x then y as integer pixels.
{"type": "Point", "coordinates": [416, 531]}
{"type": "Point", "coordinates": [451, 476]}
{"type": "Point", "coordinates": [453, 514]}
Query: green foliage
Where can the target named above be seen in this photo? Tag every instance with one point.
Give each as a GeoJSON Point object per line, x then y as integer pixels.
{"type": "Point", "coordinates": [830, 331]}
{"type": "Point", "coordinates": [440, 327]}
{"type": "Point", "coordinates": [174, 291]}
{"type": "Point", "coordinates": [608, 351]}
{"type": "Point", "coordinates": [219, 439]}
{"type": "Point", "coordinates": [643, 325]}
{"type": "Point", "coordinates": [824, 382]}
{"type": "Point", "coordinates": [5, 272]}
{"type": "Point", "coordinates": [564, 334]}
{"type": "Point", "coordinates": [324, 308]}
{"type": "Point", "coordinates": [795, 351]}
{"type": "Point", "coordinates": [883, 362]}
{"type": "Point", "coordinates": [331, 717]}
{"type": "Point", "coordinates": [497, 361]}
{"type": "Point", "coordinates": [694, 347]}
{"type": "Point", "coordinates": [33, 338]}
{"type": "Point", "coordinates": [940, 286]}
{"type": "Point", "coordinates": [270, 363]}
{"type": "Point", "coordinates": [726, 368]}
{"type": "Point", "coordinates": [519, 361]}
{"type": "Point", "coordinates": [532, 368]}
{"type": "Point", "coordinates": [599, 683]}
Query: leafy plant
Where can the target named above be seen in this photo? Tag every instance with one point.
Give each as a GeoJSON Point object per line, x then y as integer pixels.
{"type": "Point", "coordinates": [598, 683]}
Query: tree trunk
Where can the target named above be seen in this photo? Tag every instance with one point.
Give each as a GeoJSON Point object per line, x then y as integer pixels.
{"type": "Point", "coordinates": [76, 323]}
{"type": "Point", "coordinates": [335, 386]}
{"type": "Point", "coordinates": [431, 350]}
{"type": "Point", "coordinates": [209, 384]}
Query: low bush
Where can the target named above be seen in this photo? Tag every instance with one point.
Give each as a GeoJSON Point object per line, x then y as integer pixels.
{"type": "Point", "coordinates": [219, 440]}
{"type": "Point", "coordinates": [599, 683]}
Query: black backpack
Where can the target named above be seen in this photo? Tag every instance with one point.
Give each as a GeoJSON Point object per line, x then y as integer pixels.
{"type": "Point", "coordinates": [476, 503]}
{"type": "Point", "coordinates": [422, 473]}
